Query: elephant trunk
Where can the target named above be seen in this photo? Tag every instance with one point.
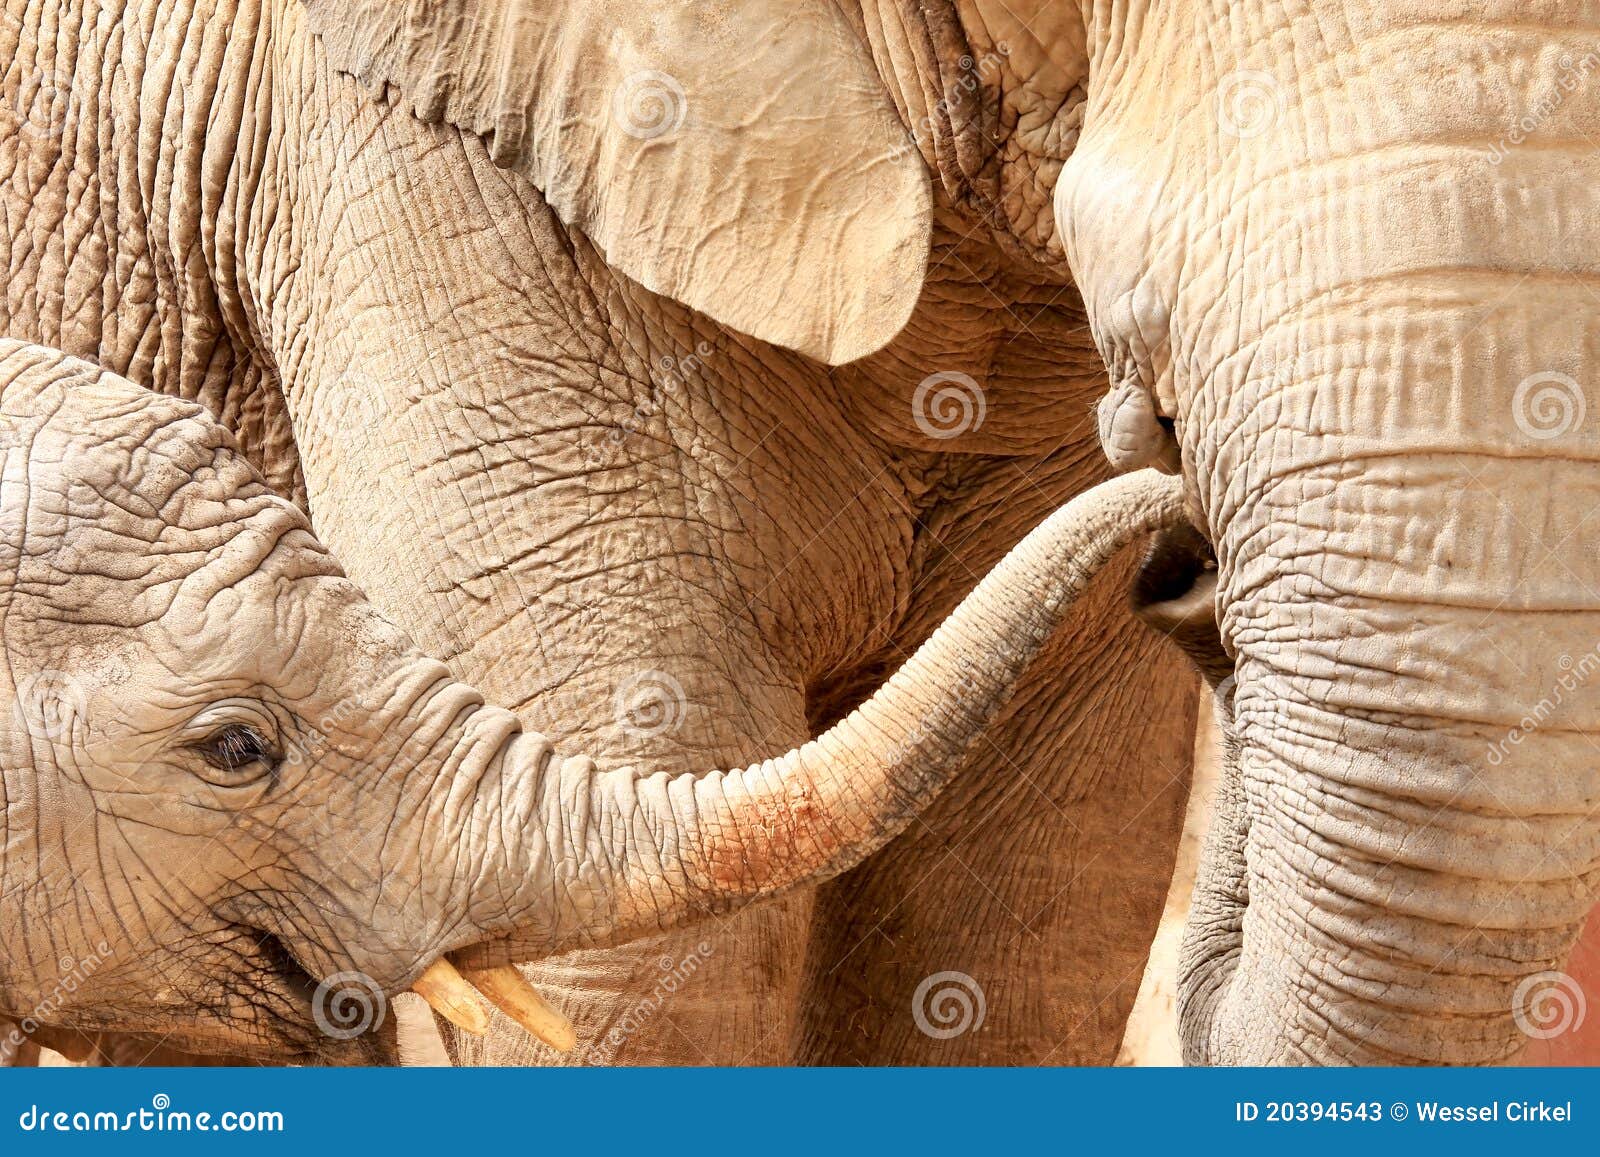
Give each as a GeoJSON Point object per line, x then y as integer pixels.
{"type": "Point", "coordinates": [580, 857]}
{"type": "Point", "coordinates": [1406, 846]}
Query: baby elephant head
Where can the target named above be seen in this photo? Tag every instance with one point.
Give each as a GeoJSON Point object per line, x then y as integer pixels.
{"type": "Point", "coordinates": [213, 746]}
{"type": "Point", "coordinates": [239, 809]}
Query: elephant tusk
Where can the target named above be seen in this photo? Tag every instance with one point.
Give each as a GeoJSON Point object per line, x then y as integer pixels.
{"type": "Point", "coordinates": [449, 995]}
{"type": "Point", "coordinates": [455, 997]}
{"type": "Point", "coordinates": [511, 994]}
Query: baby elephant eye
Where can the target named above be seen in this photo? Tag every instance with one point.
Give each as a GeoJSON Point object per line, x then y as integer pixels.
{"type": "Point", "coordinates": [238, 754]}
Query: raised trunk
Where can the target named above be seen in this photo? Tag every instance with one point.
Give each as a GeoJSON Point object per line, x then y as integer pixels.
{"type": "Point", "coordinates": [624, 854]}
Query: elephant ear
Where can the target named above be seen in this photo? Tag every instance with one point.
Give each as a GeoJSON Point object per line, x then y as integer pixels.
{"type": "Point", "coordinates": [743, 158]}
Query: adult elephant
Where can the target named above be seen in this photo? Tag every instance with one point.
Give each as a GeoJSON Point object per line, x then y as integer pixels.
{"type": "Point", "coordinates": [1348, 261]}
{"type": "Point", "coordinates": [669, 371]}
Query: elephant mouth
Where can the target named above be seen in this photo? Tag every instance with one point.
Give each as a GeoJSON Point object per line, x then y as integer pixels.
{"type": "Point", "coordinates": [261, 1007]}
{"type": "Point", "coordinates": [1175, 593]}
{"type": "Point", "coordinates": [266, 1008]}
{"type": "Point", "coordinates": [348, 1018]}
{"type": "Point", "coordinates": [344, 1020]}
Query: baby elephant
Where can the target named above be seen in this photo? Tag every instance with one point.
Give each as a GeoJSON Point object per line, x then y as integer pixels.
{"type": "Point", "coordinates": [238, 809]}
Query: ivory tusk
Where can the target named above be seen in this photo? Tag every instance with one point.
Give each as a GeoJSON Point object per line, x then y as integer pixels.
{"type": "Point", "coordinates": [514, 996]}
{"type": "Point", "coordinates": [449, 995]}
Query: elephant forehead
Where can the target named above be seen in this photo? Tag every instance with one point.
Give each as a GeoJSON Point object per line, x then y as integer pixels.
{"type": "Point", "coordinates": [114, 500]}
{"type": "Point", "coordinates": [113, 543]}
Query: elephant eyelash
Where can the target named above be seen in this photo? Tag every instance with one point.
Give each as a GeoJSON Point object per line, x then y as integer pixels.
{"type": "Point", "coordinates": [240, 753]}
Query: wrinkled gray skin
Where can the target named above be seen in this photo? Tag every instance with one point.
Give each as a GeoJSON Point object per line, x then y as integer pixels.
{"type": "Point", "coordinates": [583, 496]}
{"type": "Point", "coordinates": [1314, 247]}
{"type": "Point", "coordinates": [204, 717]}
{"type": "Point", "coordinates": [1323, 248]}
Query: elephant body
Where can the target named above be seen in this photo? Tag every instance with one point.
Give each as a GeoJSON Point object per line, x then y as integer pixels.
{"type": "Point", "coordinates": [670, 369]}
{"type": "Point", "coordinates": [656, 539]}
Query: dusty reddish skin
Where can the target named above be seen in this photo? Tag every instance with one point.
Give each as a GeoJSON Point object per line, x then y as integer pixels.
{"type": "Point", "coordinates": [1581, 1046]}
